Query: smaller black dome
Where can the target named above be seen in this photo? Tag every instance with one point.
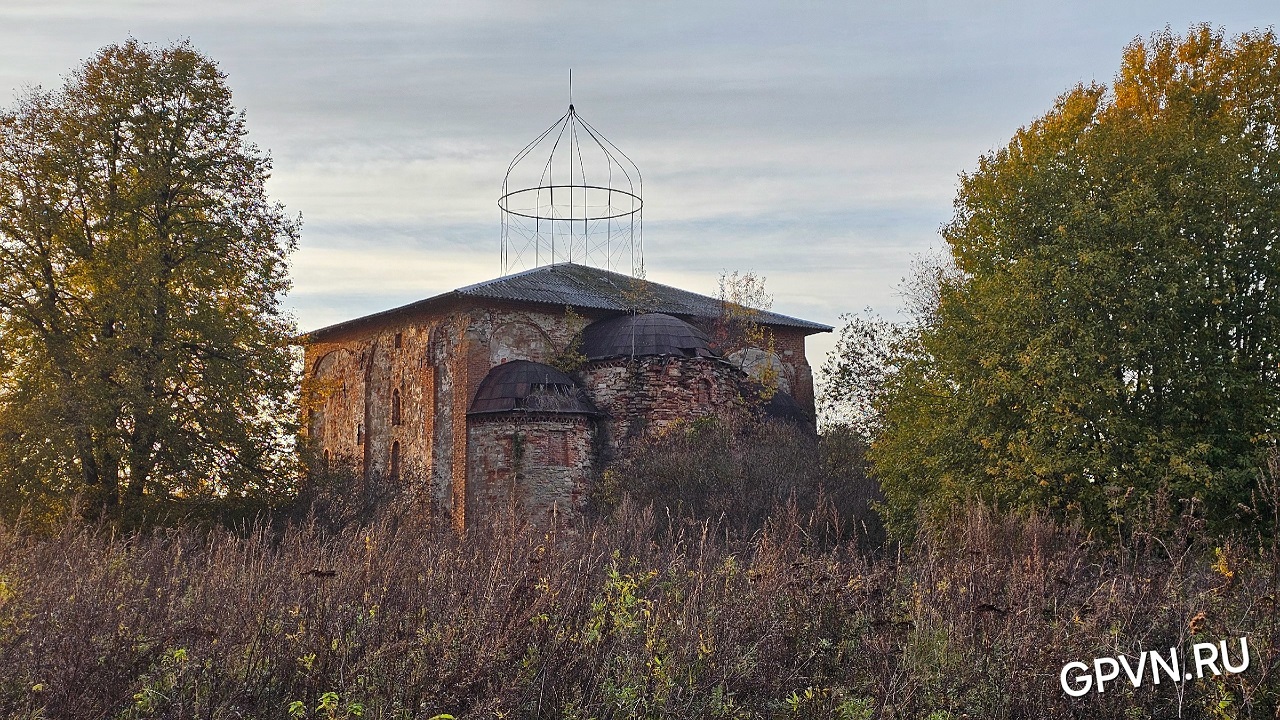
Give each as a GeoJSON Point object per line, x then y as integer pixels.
{"type": "Point", "coordinates": [784, 407]}
{"type": "Point", "coordinates": [525, 386]}
{"type": "Point", "coordinates": [640, 335]}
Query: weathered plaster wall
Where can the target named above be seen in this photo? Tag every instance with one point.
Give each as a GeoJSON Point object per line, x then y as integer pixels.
{"type": "Point", "coordinates": [434, 362]}
{"type": "Point", "coordinates": [359, 431]}
{"type": "Point", "coordinates": [788, 344]}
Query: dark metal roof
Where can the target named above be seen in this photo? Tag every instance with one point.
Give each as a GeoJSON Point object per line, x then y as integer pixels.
{"type": "Point", "coordinates": [525, 386]}
{"type": "Point", "coordinates": [643, 335]}
{"type": "Point", "coordinates": [585, 287]}
{"type": "Point", "coordinates": [589, 287]}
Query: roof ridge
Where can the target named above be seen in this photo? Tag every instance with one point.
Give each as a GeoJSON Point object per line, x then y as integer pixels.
{"type": "Point", "coordinates": [583, 286]}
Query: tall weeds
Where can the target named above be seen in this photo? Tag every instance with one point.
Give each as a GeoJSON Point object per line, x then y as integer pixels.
{"type": "Point", "coordinates": [633, 617]}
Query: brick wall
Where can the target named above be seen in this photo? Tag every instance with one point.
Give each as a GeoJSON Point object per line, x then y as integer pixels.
{"type": "Point", "coordinates": [646, 396]}
{"type": "Point", "coordinates": [435, 360]}
{"type": "Point", "coordinates": [539, 466]}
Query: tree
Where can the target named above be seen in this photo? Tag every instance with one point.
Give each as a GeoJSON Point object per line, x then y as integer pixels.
{"type": "Point", "coordinates": [737, 330]}
{"type": "Point", "coordinates": [142, 345]}
{"type": "Point", "coordinates": [1113, 328]}
{"type": "Point", "coordinates": [870, 349]}
{"type": "Point", "coordinates": [867, 351]}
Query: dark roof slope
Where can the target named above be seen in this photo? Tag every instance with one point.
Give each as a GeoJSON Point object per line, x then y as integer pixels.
{"type": "Point", "coordinates": [525, 386]}
{"type": "Point", "coordinates": [589, 287]}
{"type": "Point", "coordinates": [644, 335]}
{"type": "Point", "coordinates": [581, 286]}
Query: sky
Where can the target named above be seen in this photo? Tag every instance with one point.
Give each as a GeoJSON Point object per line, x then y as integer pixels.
{"type": "Point", "coordinates": [817, 144]}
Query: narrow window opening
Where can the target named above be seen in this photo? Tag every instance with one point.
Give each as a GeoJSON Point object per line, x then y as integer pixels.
{"type": "Point", "coordinates": [399, 340]}
{"type": "Point", "coordinates": [703, 392]}
{"type": "Point", "coordinates": [395, 461]}
{"type": "Point", "coordinates": [395, 407]}
{"type": "Point", "coordinates": [557, 448]}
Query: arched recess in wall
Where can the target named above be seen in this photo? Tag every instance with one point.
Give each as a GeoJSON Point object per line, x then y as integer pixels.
{"type": "Point", "coordinates": [335, 401]}
{"type": "Point", "coordinates": [519, 339]}
{"type": "Point", "coordinates": [702, 393]}
{"type": "Point", "coordinates": [763, 365]}
{"type": "Point", "coordinates": [382, 377]}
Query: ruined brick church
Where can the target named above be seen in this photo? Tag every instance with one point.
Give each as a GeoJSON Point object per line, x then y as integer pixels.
{"type": "Point", "coordinates": [516, 392]}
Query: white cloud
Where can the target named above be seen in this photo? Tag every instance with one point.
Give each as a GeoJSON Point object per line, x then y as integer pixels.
{"type": "Point", "coordinates": [815, 143]}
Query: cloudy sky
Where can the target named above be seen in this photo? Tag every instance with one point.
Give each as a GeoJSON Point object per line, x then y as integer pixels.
{"type": "Point", "coordinates": [815, 143]}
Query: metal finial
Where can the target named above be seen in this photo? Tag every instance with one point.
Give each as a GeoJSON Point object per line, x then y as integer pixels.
{"type": "Point", "coordinates": [572, 196]}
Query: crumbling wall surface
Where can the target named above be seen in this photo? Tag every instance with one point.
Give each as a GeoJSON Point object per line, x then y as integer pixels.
{"type": "Point", "coordinates": [432, 363]}
{"type": "Point", "coordinates": [538, 466]}
{"type": "Point", "coordinates": [646, 396]}
{"type": "Point", "coordinates": [378, 374]}
{"type": "Point", "coordinates": [429, 365]}
{"type": "Point", "coordinates": [465, 345]}
{"type": "Point", "coordinates": [352, 383]}
{"type": "Point", "coordinates": [445, 342]}
{"type": "Point", "coordinates": [764, 367]}
{"type": "Point", "coordinates": [400, 415]}
{"type": "Point", "coordinates": [787, 343]}
{"type": "Point", "coordinates": [333, 406]}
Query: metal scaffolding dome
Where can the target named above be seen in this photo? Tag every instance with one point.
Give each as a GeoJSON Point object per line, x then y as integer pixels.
{"type": "Point", "coordinates": [572, 196]}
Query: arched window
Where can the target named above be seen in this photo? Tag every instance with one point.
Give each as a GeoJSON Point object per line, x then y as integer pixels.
{"type": "Point", "coordinates": [395, 461]}
{"type": "Point", "coordinates": [702, 392]}
{"type": "Point", "coordinates": [395, 407]}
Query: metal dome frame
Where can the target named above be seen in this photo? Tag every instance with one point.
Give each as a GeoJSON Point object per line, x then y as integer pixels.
{"type": "Point", "coordinates": [540, 229]}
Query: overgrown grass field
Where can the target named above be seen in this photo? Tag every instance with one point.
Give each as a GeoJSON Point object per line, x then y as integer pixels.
{"type": "Point", "coordinates": [639, 613]}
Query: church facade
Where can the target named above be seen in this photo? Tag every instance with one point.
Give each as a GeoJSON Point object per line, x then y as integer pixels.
{"type": "Point", "coordinates": [516, 392]}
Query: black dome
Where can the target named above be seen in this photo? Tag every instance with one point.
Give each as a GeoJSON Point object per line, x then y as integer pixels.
{"type": "Point", "coordinates": [524, 386]}
{"type": "Point", "coordinates": [648, 334]}
{"type": "Point", "coordinates": [784, 407]}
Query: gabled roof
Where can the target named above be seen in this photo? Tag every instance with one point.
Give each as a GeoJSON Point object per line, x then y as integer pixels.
{"type": "Point", "coordinates": [581, 286]}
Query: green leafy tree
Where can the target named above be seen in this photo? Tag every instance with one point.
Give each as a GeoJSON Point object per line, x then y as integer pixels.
{"type": "Point", "coordinates": [143, 350]}
{"type": "Point", "coordinates": [868, 350]}
{"type": "Point", "coordinates": [1112, 327]}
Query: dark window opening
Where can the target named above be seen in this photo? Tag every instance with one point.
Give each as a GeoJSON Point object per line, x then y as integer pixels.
{"type": "Point", "coordinates": [395, 407]}
{"type": "Point", "coordinates": [395, 461]}
{"type": "Point", "coordinates": [399, 342]}
{"type": "Point", "coordinates": [359, 434]}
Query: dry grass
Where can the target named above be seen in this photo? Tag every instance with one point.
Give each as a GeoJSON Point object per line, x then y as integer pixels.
{"type": "Point", "coordinates": [627, 617]}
